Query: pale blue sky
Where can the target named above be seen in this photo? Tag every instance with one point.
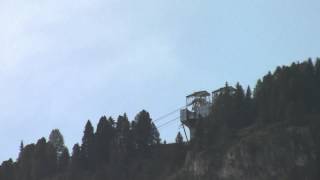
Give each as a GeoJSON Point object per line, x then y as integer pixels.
{"type": "Point", "coordinates": [65, 61]}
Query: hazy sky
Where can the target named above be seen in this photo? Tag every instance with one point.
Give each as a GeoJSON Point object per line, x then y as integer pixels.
{"type": "Point", "coordinates": [63, 62]}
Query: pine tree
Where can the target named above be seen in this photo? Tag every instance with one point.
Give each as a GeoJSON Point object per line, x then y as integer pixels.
{"type": "Point", "coordinates": [64, 160]}
{"type": "Point", "coordinates": [179, 138]}
{"type": "Point", "coordinates": [51, 160]}
{"type": "Point", "coordinates": [44, 161]}
{"type": "Point", "coordinates": [317, 83]}
{"type": "Point", "coordinates": [57, 140]}
{"type": "Point", "coordinates": [155, 134]}
{"type": "Point", "coordinates": [123, 131]}
{"type": "Point", "coordinates": [88, 146]}
{"type": "Point", "coordinates": [76, 159]}
{"type": "Point", "coordinates": [25, 162]}
{"type": "Point", "coordinates": [7, 170]}
{"type": "Point", "coordinates": [103, 139]}
{"type": "Point", "coordinates": [21, 150]}
{"type": "Point", "coordinates": [143, 131]}
{"type": "Point", "coordinates": [238, 108]}
{"type": "Point", "coordinates": [249, 107]}
{"type": "Point", "coordinates": [21, 146]}
{"type": "Point", "coordinates": [248, 93]}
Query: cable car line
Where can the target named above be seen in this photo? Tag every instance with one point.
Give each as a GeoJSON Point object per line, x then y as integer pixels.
{"type": "Point", "coordinates": [168, 122]}
{"type": "Point", "coordinates": [168, 114]}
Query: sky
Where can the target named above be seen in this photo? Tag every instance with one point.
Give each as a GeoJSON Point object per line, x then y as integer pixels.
{"type": "Point", "coordinates": [63, 62]}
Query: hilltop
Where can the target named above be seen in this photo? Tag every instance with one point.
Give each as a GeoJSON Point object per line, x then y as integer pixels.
{"type": "Point", "coordinates": [270, 132]}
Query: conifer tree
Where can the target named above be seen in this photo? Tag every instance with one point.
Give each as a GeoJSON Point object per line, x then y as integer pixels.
{"type": "Point", "coordinates": [179, 138]}
{"type": "Point", "coordinates": [7, 170]}
{"type": "Point", "coordinates": [143, 131]}
{"type": "Point", "coordinates": [103, 139]}
{"type": "Point", "coordinates": [44, 161]}
{"type": "Point", "coordinates": [155, 134]}
{"type": "Point", "coordinates": [317, 83]}
{"type": "Point", "coordinates": [123, 130]}
{"type": "Point", "coordinates": [248, 107]}
{"type": "Point", "coordinates": [88, 146]}
{"type": "Point", "coordinates": [57, 140]}
{"type": "Point", "coordinates": [21, 146]}
{"type": "Point", "coordinates": [76, 159]}
{"type": "Point", "coordinates": [25, 162]}
{"type": "Point", "coordinates": [64, 160]}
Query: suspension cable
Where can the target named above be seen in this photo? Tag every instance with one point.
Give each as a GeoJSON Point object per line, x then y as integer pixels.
{"type": "Point", "coordinates": [168, 122]}
{"type": "Point", "coordinates": [168, 114]}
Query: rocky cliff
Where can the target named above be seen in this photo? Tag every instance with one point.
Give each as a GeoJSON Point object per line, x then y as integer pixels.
{"type": "Point", "coordinates": [276, 152]}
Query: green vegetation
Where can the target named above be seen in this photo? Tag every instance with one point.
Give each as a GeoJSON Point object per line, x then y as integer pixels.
{"type": "Point", "coordinates": [281, 115]}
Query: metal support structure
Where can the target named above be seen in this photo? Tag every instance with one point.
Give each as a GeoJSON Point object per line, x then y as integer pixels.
{"type": "Point", "coordinates": [185, 133]}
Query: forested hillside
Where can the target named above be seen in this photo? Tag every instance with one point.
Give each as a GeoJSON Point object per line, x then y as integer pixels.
{"type": "Point", "coordinates": [291, 94]}
{"type": "Point", "coordinates": [270, 132]}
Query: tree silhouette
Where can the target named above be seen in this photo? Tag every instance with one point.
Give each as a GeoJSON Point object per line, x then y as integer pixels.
{"type": "Point", "coordinates": [7, 170]}
{"type": "Point", "coordinates": [179, 138]}
{"type": "Point", "coordinates": [57, 140]}
{"type": "Point", "coordinates": [64, 160]}
{"type": "Point", "coordinates": [76, 159]}
{"type": "Point", "coordinates": [287, 97]}
{"type": "Point", "coordinates": [143, 131]}
{"type": "Point", "coordinates": [88, 147]}
{"type": "Point", "coordinates": [103, 138]}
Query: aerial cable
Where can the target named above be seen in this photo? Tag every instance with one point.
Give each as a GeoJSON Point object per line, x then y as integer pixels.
{"type": "Point", "coordinates": [167, 126]}
{"type": "Point", "coordinates": [168, 114]}
{"type": "Point", "coordinates": [168, 122]}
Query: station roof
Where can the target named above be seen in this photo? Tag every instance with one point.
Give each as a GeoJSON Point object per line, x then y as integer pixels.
{"type": "Point", "coordinates": [199, 94]}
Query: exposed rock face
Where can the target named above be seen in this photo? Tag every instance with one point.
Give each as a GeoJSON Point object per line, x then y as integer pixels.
{"type": "Point", "coordinates": [197, 164]}
{"type": "Point", "coordinates": [273, 153]}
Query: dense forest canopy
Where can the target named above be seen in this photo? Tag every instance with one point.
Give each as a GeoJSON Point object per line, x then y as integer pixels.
{"type": "Point", "coordinates": [119, 149]}
{"type": "Point", "coordinates": [291, 94]}
{"type": "Point", "coordinates": [285, 95]}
